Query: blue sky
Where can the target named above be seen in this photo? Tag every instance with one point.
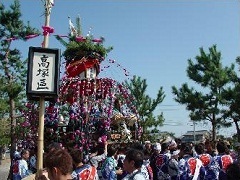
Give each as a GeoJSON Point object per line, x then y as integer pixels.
{"type": "Point", "coordinates": [152, 39]}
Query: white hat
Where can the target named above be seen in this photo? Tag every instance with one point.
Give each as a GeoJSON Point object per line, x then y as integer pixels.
{"type": "Point", "coordinates": [172, 143]}
{"type": "Point", "coordinates": [175, 152]}
{"type": "Point", "coordinates": [157, 146]}
{"type": "Point", "coordinates": [147, 142]}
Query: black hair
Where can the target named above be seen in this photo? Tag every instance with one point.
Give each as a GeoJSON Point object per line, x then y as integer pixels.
{"type": "Point", "coordinates": [233, 172]}
{"type": "Point", "coordinates": [24, 151]}
{"type": "Point", "coordinates": [222, 147]}
{"type": "Point", "coordinates": [99, 149]}
{"type": "Point", "coordinates": [111, 151]}
{"type": "Point", "coordinates": [137, 146]}
{"type": "Point", "coordinates": [199, 148]}
{"type": "Point", "coordinates": [164, 146]}
{"type": "Point", "coordinates": [94, 149]}
{"type": "Point", "coordinates": [186, 148]}
{"type": "Point", "coordinates": [53, 146]}
{"type": "Point", "coordinates": [77, 156]}
{"type": "Point", "coordinates": [60, 159]}
{"type": "Point", "coordinates": [136, 156]}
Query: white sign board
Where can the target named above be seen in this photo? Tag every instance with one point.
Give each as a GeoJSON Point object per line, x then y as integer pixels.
{"type": "Point", "coordinates": [43, 72]}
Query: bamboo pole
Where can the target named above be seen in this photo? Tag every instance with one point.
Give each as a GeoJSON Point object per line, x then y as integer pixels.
{"type": "Point", "coordinates": [41, 134]}
{"type": "Point", "coordinates": [42, 100]}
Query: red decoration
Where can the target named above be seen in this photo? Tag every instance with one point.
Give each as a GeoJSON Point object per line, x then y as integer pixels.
{"type": "Point", "coordinates": [31, 36]}
{"type": "Point", "coordinates": [97, 40]}
{"type": "Point", "coordinates": [226, 161]}
{"type": "Point", "coordinates": [205, 158]}
{"type": "Point", "coordinates": [77, 67]}
{"type": "Point", "coordinates": [80, 39]}
{"type": "Point", "coordinates": [90, 102]}
{"type": "Point", "coordinates": [192, 162]}
{"type": "Point", "coordinates": [47, 30]}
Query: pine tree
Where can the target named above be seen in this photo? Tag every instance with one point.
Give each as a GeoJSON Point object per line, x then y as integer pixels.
{"type": "Point", "coordinates": [12, 67]}
{"type": "Point", "coordinates": [232, 96]}
{"type": "Point", "coordinates": [206, 103]}
{"type": "Point", "coordinates": [145, 105]}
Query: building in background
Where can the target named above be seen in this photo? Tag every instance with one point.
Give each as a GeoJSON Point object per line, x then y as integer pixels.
{"type": "Point", "coordinates": [196, 136]}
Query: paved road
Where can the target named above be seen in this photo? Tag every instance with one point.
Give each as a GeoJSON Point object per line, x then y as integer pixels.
{"type": "Point", "coordinates": [4, 168]}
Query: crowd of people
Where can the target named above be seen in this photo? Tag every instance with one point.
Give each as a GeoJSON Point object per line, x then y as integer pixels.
{"type": "Point", "coordinates": [167, 160]}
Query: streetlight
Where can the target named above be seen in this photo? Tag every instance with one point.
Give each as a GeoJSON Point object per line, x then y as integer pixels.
{"type": "Point", "coordinates": [194, 133]}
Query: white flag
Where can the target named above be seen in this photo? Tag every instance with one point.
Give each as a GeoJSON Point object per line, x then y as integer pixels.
{"type": "Point", "coordinates": [73, 30]}
{"type": "Point", "coordinates": [52, 2]}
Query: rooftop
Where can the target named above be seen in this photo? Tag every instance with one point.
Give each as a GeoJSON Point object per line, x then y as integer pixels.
{"type": "Point", "coordinates": [190, 133]}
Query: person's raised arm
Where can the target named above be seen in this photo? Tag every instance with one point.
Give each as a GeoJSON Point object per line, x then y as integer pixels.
{"type": "Point", "coordinates": [105, 147]}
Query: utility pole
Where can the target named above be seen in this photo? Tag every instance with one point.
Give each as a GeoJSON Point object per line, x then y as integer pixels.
{"type": "Point", "coordinates": [193, 123]}
{"type": "Point", "coordinates": [194, 132]}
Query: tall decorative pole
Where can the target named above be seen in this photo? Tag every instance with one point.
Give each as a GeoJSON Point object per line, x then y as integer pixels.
{"type": "Point", "coordinates": [46, 31]}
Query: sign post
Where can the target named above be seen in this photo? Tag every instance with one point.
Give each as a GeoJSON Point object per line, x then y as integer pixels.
{"type": "Point", "coordinates": [43, 78]}
{"type": "Point", "coordinates": [42, 83]}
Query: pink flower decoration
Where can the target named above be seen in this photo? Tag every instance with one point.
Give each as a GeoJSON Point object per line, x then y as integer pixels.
{"type": "Point", "coordinates": [72, 137]}
{"type": "Point", "coordinates": [31, 36]}
{"type": "Point", "coordinates": [102, 139]}
{"type": "Point", "coordinates": [80, 39]}
{"type": "Point", "coordinates": [47, 30]}
{"type": "Point", "coordinates": [25, 124]}
{"type": "Point", "coordinates": [78, 132]}
{"type": "Point", "coordinates": [82, 134]}
{"type": "Point", "coordinates": [97, 40]}
{"type": "Point", "coordinates": [99, 140]}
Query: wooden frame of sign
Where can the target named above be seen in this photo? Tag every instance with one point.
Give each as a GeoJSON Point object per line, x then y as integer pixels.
{"type": "Point", "coordinates": [43, 73]}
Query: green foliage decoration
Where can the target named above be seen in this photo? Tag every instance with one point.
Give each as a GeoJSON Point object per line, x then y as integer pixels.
{"type": "Point", "coordinates": [80, 46]}
{"type": "Point", "coordinates": [76, 50]}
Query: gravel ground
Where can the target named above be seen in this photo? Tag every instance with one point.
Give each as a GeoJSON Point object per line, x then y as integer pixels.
{"type": "Point", "coordinates": [4, 168]}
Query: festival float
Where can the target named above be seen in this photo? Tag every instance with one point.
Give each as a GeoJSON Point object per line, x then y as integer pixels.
{"type": "Point", "coordinates": [89, 108]}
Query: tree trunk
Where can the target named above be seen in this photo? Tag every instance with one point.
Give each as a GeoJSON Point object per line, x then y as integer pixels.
{"type": "Point", "coordinates": [13, 125]}
{"type": "Point", "coordinates": [213, 127]}
{"type": "Point", "coordinates": [12, 109]}
{"type": "Point", "coordinates": [237, 128]}
{"type": "Point", "coordinates": [238, 136]}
